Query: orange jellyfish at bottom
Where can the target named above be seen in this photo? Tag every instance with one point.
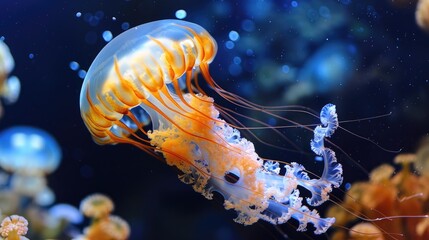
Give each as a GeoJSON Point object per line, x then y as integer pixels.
{"type": "Point", "coordinates": [142, 89]}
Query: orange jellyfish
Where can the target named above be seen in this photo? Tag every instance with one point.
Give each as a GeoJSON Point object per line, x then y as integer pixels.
{"type": "Point", "coordinates": [142, 89]}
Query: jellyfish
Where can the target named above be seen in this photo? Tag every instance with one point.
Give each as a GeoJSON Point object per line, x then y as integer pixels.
{"type": "Point", "coordinates": [9, 87]}
{"type": "Point", "coordinates": [29, 151]}
{"type": "Point", "coordinates": [14, 227]}
{"type": "Point", "coordinates": [326, 71]}
{"type": "Point", "coordinates": [105, 226]}
{"type": "Point", "coordinates": [30, 154]}
{"type": "Point", "coordinates": [143, 89]}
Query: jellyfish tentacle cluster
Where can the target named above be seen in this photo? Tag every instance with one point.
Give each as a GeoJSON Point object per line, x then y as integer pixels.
{"type": "Point", "coordinates": [132, 94]}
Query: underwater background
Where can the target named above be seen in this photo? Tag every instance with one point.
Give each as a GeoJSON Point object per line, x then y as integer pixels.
{"type": "Point", "coordinates": [369, 58]}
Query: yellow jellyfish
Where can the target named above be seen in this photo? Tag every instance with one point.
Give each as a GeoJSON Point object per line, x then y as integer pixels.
{"type": "Point", "coordinates": [142, 89]}
{"type": "Point", "coordinates": [9, 87]}
{"type": "Point", "coordinates": [103, 225]}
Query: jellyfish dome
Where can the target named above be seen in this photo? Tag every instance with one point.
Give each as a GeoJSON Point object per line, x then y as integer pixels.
{"type": "Point", "coordinates": [28, 150]}
{"type": "Point", "coordinates": [132, 94]}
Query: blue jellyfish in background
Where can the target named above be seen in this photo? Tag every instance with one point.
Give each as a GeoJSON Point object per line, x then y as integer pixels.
{"type": "Point", "coordinates": [327, 70]}
{"type": "Point", "coordinates": [28, 151]}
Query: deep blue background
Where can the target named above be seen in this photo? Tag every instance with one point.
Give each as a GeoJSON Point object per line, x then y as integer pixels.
{"type": "Point", "coordinates": [392, 77]}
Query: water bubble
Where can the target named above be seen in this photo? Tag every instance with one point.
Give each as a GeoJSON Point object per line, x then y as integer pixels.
{"type": "Point", "coordinates": [125, 26]}
{"type": "Point", "coordinates": [248, 25]}
{"type": "Point", "coordinates": [180, 14]}
{"type": "Point", "coordinates": [81, 73]}
{"type": "Point", "coordinates": [78, 14]}
{"type": "Point", "coordinates": [74, 65]}
{"type": "Point", "coordinates": [107, 35]}
{"type": "Point", "coordinates": [236, 60]}
{"type": "Point", "coordinates": [233, 36]}
{"type": "Point", "coordinates": [31, 56]}
{"type": "Point", "coordinates": [285, 68]}
{"type": "Point", "coordinates": [229, 44]}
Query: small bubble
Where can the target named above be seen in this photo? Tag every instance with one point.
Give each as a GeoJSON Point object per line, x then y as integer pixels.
{"type": "Point", "coordinates": [31, 56]}
{"type": "Point", "coordinates": [294, 4]}
{"type": "Point", "coordinates": [248, 25]}
{"type": "Point", "coordinates": [233, 36]}
{"type": "Point", "coordinates": [125, 26]}
{"type": "Point", "coordinates": [347, 186]}
{"type": "Point", "coordinates": [78, 14]}
{"type": "Point", "coordinates": [107, 36]}
{"type": "Point", "coordinates": [81, 73]}
{"type": "Point", "coordinates": [285, 68]}
{"type": "Point", "coordinates": [180, 14]}
{"type": "Point", "coordinates": [234, 69]}
{"type": "Point", "coordinates": [114, 18]}
{"type": "Point", "coordinates": [236, 60]}
{"type": "Point", "coordinates": [74, 65]}
{"type": "Point", "coordinates": [229, 44]}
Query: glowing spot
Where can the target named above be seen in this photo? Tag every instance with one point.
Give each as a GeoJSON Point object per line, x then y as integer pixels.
{"type": "Point", "coordinates": [107, 35]}
{"type": "Point", "coordinates": [74, 65]}
{"type": "Point", "coordinates": [234, 69]}
{"type": "Point", "coordinates": [81, 73]}
{"type": "Point", "coordinates": [233, 36]}
{"type": "Point", "coordinates": [78, 14]}
{"type": "Point", "coordinates": [347, 186]}
{"type": "Point", "coordinates": [114, 18]}
{"type": "Point", "coordinates": [236, 60]}
{"type": "Point", "coordinates": [125, 26]}
{"type": "Point", "coordinates": [294, 4]}
{"type": "Point", "coordinates": [229, 44]}
{"type": "Point", "coordinates": [31, 56]}
{"type": "Point", "coordinates": [180, 14]}
{"type": "Point", "coordinates": [285, 68]}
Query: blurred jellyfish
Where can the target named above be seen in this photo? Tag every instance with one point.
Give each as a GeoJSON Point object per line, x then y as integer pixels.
{"type": "Point", "coordinates": [28, 151]}
{"type": "Point", "coordinates": [66, 212]}
{"type": "Point", "coordinates": [387, 193]}
{"type": "Point", "coordinates": [9, 87]}
{"type": "Point", "coordinates": [96, 206]}
{"type": "Point", "coordinates": [422, 14]}
{"type": "Point", "coordinates": [104, 225]}
{"type": "Point", "coordinates": [315, 20]}
{"type": "Point", "coordinates": [327, 70]}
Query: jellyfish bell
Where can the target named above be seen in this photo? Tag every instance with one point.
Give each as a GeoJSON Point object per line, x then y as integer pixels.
{"type": "Point", "coordinates": [28, 151]}
{"type": "Point", "coordinates": [132, 95]}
